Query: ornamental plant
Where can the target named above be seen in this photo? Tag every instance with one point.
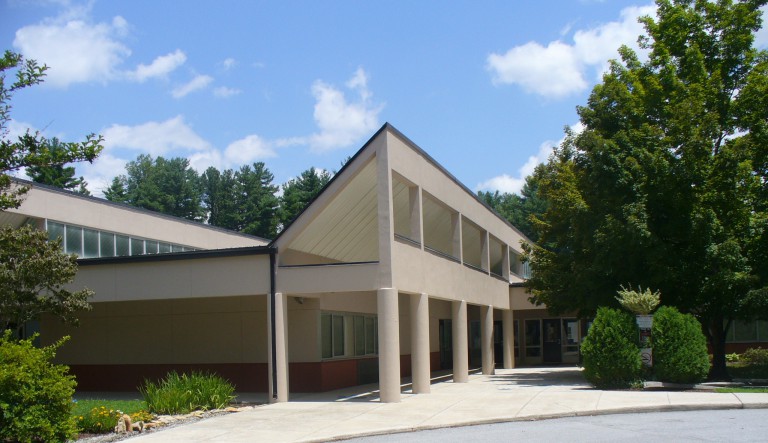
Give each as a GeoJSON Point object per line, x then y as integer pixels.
{"type": "Point", "coordinates": [638, 301]}
{"type": "Point", "coordinates": [35, 394]}
{"type": "Point", "coordinates": [610, 352]}
{"type": "Point", "coordinates": [181, 394]}
{"type": "Point", "coordinates": [679, 347]}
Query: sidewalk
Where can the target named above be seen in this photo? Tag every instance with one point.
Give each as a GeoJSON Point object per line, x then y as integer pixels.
{"type": "Point", "coordinates": [510, 395]}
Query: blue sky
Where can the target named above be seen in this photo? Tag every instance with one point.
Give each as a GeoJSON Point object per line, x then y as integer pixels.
{"type": "Point", "coordinates": [485, 87]}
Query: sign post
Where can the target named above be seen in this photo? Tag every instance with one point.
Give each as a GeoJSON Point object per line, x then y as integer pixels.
{"type": "Point", "coordinates": [644, 322]}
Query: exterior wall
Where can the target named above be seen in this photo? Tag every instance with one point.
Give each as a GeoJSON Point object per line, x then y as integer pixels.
{"type": "Point", "coordinates": [42, 202]}
{"type": "Point", "coordinates": [413, 166]}
{"type": "Point", "coordinates": [149, 279]}
{"type": "Point", "coordinates": [423, 272]}
{"type": "Point", "coordinates": [119, 344]}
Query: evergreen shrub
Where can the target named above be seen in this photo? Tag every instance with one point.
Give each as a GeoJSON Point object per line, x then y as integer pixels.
{"type": "Point", "coordinates": [679, 347]}
{"type": "Point", "coordinates": [35, 394]}
{"type": "Point", "coordinates": [610, 352]}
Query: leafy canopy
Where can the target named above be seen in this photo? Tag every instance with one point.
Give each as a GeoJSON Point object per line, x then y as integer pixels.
{"type": "Point", "coordinates": [30, 150]}
{"type": "Point", "coordinates": [666, 186]}
{"type": "Point", "coordinates": [33, 278]}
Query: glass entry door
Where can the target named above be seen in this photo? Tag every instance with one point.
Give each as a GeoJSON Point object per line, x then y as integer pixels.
{"type": "Point", "coordinates": [553, 351]}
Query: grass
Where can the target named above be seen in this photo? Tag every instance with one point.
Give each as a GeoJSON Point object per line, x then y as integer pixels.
{"type": "Point", "coordinates": [181, 394]}
{"type": "Point", "coordinates": [755, 390]}
{"type": "Point", "coordinates": [100, 416]}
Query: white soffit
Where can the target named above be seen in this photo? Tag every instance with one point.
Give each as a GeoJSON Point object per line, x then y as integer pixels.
{"type": "Point", "coordinates": [346, 229]}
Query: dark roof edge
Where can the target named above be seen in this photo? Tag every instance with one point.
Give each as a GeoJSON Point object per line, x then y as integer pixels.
{"type": "Point", "coordinates": [173, 256]}
{"type": "Point", "coordinates": [120, 205]}
{"type": "Point", "coordinates": [434, 162]}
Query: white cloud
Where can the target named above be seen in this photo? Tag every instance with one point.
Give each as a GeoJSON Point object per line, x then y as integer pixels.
{"type": "Point", "coordinates": [229, 63]}
{"type": "Point", "coordinates": [341, 122]}
{"type": "Point", "coordinates": [155, 138]}
{"type": "Point", "coordinates": [513, 185]}
{"type": "Point", "coordinates": [225, 92]}
{"type": "Point", "coordinates": [559, 69]}
{"type": "Point", "coordinates": [248, 150]}
{"type": "Point", "coordinates": [15, 129]}
{"type": "Point", "coordinates": [100, 173]}
{"type": "Point", "coordinates": [75, 51]}
{"type": "Point", "coordinates": [197, 83]}
{"type": "Point", "coordinates": [160, 67]}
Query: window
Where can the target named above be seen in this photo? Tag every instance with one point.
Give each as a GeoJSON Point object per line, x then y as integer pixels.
{"type": "Point", "coordinates": [73, 240]}
{"type": "Point", "coordinates": [90, 243]}
{"type": "Point", "coordinates": [122, 245]}
{"type": "Point", "coordinates": [571, 328]}
{"type": "Point", "coordinates": [107, 244]}
{"type": "Point", "coordinates": [332, 332]}
{"type": "Point", "coordinates": [137, 246]}
{"type": "Point", "coordinates": [334, 329]}
{"type": "Point", "coordinates": [533, 338]}
{"type": "Point", "coordinates": [55, 231]}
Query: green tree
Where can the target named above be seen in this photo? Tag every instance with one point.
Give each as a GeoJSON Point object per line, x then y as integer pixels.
{"type": "Point", "coordinates": [666, 186]}
{"type": "Point", "coordinates": [519, 210]}
{"type": "Point", "coordinates": [256, 200]}
{"type": "Point", "coordinates": [30, 150]}
{"type": "Point", "coordinates": [220, 197]}
{"type": "Point", "coordinates": [34, 273]}
{"type": "Point", "coordinates": [59, 176]}
{"type": "Point", "coordinates": [169, 186]}
{"type": "Point", "coordinates": [300, 191]}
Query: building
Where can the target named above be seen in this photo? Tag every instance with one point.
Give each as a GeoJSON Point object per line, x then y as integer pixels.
{"type": "Point", "coordinates": [395, 269]}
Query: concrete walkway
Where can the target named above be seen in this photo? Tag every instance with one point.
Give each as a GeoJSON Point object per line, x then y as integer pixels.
{"type": "Point", "coordinates": [511, 394]}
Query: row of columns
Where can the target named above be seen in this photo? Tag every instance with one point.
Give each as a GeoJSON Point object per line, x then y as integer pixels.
{"type": "Point", "coordinates": [389, 344]}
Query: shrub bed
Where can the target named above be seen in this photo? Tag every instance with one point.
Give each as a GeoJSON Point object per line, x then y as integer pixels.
{"type": "Point", "coordinates": [181, 394]}
{"type": "Point", "coordinates": [610, 352]}
{"type": "Point", "coordinates": [679, 347]}
{"type": "Point", "coordinates": [35, 394]}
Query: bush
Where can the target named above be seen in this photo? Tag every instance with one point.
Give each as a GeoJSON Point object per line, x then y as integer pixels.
{"type": "Point", "coordinates": [35, 394]}
{"type": "Point", "coordinates": [679, 347]}
{"type": "Point", "coordinates": [755, 356]}
{"type": "Point", "coordinates": [610, 352]}
{"type": "Point", "coordinates": [181, 394]}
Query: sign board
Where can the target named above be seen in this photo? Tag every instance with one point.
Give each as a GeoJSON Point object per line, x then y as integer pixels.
{"type": "Point", "coordinates": [645, 322]}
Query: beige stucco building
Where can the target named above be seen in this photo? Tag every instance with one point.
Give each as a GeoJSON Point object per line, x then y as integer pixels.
{"type": "Point", "coordinates": [396, 269]}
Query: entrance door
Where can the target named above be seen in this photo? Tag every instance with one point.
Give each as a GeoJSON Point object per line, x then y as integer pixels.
{"type": "Point", "coordinates": [446, 346]}
{"type": "Point", "coordinates": [553, 352]}
{"type": "Point", "coordinates": [498, 344]}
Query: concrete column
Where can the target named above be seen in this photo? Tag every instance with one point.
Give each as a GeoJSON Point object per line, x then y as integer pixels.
{"type": "Point", "coordinates": [460, 341]}
{"type": "Point", "coordinates": [508, 327]}
{"type": "Point", "coordinates": [414, 200]}
{"type": "Point", "coordinates": [389, 345]}
{"type": "Point", "coordinates": [280, 368]}
{"type": "Point", "coordinates": [486, 339]}
{"type": "Point", "coordinates": [420, 368]}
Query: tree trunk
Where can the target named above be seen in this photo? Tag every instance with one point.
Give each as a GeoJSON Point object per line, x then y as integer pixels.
{"type": "Point", "coordinates": [716, 335]}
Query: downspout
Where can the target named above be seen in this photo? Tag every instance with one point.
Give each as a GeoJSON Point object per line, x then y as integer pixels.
{"type": "Point", "coordinates": [273, 317]}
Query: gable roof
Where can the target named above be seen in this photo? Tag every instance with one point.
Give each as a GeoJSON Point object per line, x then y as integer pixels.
{"type": "Point", "coordinates": [391, 129]}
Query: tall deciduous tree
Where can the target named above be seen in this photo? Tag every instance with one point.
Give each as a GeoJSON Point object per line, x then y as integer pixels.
{"type": "Point", "coordinates": [33, 271]}
{"type": "Point", "coordinates": [33, 275]}
{"type": "Point", "coordinates": [666, 186]}
{"type": "Point", "coordinates": [300, 191]}
{"type": "Point", "coordinates": [30, 150]}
